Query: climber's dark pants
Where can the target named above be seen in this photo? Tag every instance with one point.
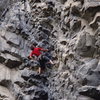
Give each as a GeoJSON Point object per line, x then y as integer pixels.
{"type": "Point", "coordinates": [42, 65]}
{"type": "Point", "coordinates": [42, 59]}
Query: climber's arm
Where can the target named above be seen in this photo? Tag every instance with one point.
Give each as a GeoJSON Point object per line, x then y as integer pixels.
{"type": "Point", "coordinates": [43, 49]}
{"type": "Point", "coordinates": [31, 54]}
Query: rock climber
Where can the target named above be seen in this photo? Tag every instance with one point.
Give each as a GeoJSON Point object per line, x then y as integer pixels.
{"type": "Point", "coordinates": [40, 57]}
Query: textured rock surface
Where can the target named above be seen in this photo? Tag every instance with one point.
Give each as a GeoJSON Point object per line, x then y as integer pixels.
{"type": "Point", "coordinates": [70, 29]}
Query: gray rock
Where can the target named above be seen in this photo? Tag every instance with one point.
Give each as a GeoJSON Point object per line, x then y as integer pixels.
{"type": "Point", "coordinates": [70, 30]}
{"type": "Point", "coordinates": [90, 91]}
{"type": "Point", "coordinates": [88, 67]}
{"type": "Point", "coordinates": [90, 6]}
{"type": "Point", "coordinates": [5, 94]}
{"type": "Point", "coordinates": [26, 97]}
{"type": "Point", "coordinates": [76, 25]}
{"type": "Point", "coordinates": [12, 63]}
{"type": "Point", "coordinates": [85, 46]}
{"type": "Point", "coordinates": [94, 23]}
{"type": "Point", "coordinates": [84, 98]}
{"type": "Point", "coordinates": [2, 59]}
{"type": "Point", "coordinates": [92, 79]}
{"type": "Point", "coordinates": [42, 95]}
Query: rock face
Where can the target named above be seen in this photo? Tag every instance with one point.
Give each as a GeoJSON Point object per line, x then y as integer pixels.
{"type": "Point", "coordinates": [70, 29]}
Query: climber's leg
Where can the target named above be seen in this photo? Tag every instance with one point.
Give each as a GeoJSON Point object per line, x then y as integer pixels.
{"type": "Point", "coordinates": [41, 68]}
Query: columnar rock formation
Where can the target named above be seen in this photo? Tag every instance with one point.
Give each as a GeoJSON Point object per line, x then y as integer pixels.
{"type": "Point", "coordinates": [70, 29]}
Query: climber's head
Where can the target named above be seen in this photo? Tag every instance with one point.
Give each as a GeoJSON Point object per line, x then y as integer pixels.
{"type": "Point", "coordinates": [32, 47]}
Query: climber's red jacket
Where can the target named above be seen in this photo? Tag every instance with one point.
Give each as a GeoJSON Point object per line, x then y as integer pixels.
{"type": "Point", "coordinates": [37, 51]}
